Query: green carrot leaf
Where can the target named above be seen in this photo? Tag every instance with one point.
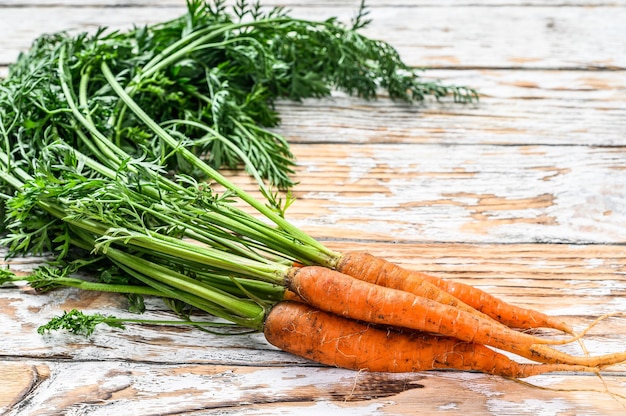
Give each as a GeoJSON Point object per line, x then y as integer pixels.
{"type": "Point", "coordinates": [77, 322]}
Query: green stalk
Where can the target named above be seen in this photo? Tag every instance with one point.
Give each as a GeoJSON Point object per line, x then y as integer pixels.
{"type": "Point", "coordinates": [114, 320]}
{"type": "Point", "coordinates": [312, 251]}
{"type": "Point", "coordinates": [10, 179]}
{"type": "Point", "coordinates": [94, 286]}
{"type": "Point", "coordinates": [63, 77]}
{"type": "Point", "coordinates": [205, 297]}
{"type": "Point", "coordinates": [214, 134]}
{"type": "Point", "coordinates": [83, 100]}
{"type": "Point", "coordinates": [242, 224]}
{"type": "Point", "coordinates": [194, 40]}
{"type": "Point", "coordinates": [172, 284]}
{"type": "Point", "coordinates": [208, 256]}
{"type": "Point", "coordinates": [300, 237]}
{"type": "Point", "coordinates": [169, 246]}
{"type": "Point", "coordinates": [203, 235]}
{"type": "Point", "coordinates": [78, 323]}
{"type": "Point", "coordinates": [243, 286]}
{"type": "Point", "coordinates": [266, 271]}
{"type": "Point", "coordinates": [166, 245]}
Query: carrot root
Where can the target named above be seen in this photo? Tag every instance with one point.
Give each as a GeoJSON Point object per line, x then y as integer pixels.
{"type": "Point", "coordinates": [329, 339]}
{"type": "Point", "coordinates": [377, 270]}
{"type": "Point", "coordinates": [544, 353]}
{"type": "Point", "coordinates": [343, 295]}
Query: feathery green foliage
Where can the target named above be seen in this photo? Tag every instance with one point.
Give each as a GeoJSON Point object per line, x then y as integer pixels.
{"type": "Point", "coordinates": [210, 78]}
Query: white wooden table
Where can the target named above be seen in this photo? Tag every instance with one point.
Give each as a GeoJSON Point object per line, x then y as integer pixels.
{"type": "Point", "coordinates": [523, 194]}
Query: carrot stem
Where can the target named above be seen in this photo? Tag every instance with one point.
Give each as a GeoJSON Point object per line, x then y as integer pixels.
{"type": "Point", "coordinates": [302, 238]}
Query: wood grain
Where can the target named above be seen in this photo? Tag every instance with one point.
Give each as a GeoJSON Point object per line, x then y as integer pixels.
{"type": "Point", "coordinates": [18, 380]}
{"type": "Point", "coordinates": [512, 194]}
{"type": "Point", "coordinates": [516, 107]}
{"type": "Point", "coordinates": [108, 388]}
{"type": "Point", "coordinates": [463, 36]}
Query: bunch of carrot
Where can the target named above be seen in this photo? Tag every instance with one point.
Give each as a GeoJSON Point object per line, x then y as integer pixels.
{"type": "Point", "coordinates": [375, 316]}
{"type": "Point", "coordinates": [347, 321]}
{"type": "Point", "coordinates": [351, 310]}
{"type": "Point", "coordinates": [350, 322]}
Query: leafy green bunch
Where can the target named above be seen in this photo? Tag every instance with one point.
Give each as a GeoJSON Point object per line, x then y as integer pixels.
{"type": "Point", "coordinates": [210, 78]}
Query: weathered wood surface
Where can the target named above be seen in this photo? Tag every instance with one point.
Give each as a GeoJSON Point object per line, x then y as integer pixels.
{"type": "Point", "coordinates": [461, 36]}
{"type": "Point", "coordinates": [520, 107]}
{"type": "Point", "coordinates": [403, 192]}
{"type": "Point", "coordinates": [522, 195]}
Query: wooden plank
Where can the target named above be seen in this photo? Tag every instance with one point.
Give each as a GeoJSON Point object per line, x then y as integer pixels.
{"type": "Point", "coordinates": [372, 4]}
{"type": "Point", "coordinates": [459, 37]}
{"type": "Point", "coordinates": [23, 313]}
{"type": "Point", "coordinates": [18, 379]}
{"type": "Point", "coordinates": [105, 388]}
{"type": "Point", "coordinates": [516, 107]}
{"type": "Point", "coordinates": [460, 193]}
{"type": "Point", "coordinates": [21, 25]}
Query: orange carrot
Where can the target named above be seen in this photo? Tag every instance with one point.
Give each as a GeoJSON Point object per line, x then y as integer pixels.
{"type": "Point", "coordinates": [377, 270]}
{"type": "Point", "coordinates": [333, 340]}
{"type": "Point", "coordinates": [343, 295]}
{"type": "Point", "coordinates": [292, 296]}
{"type": "Point", "coordinates": [369, 268]}
{"type": "Point", "coordinates": [334, 292]}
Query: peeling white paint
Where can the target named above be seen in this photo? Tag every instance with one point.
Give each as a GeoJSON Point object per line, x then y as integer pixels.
{"type": "Point", "coordinates": [428, 199]}
{"type": "Point", "coordinates": [360, 166]}
{"type": "Point", "coordinates": [310, 167]}
{"type": "Point", "coordinates": [449, 406]}
{"type": "Point", "coordinates": [535, 407]}
{"type": "Point", "coordinates": [593, 263]}
{"type": "Point", "coordinates": [593, 287]}
{"type": "Point", "coordinates": [611, 305]}
{"type": "Point", "coordinates": [292, 377]}
{"type": "Point", "coordinates": [323, 408]}
{"type": "Point", "coordinates": [478, 383]}
{"type": "Point", "coordinates": [542, 264]}
{"type": "Point", "coordinates": [158, 391]}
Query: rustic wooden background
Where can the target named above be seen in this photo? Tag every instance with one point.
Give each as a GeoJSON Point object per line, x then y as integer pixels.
{"type": "Point", "coordinates": [522, 194]}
